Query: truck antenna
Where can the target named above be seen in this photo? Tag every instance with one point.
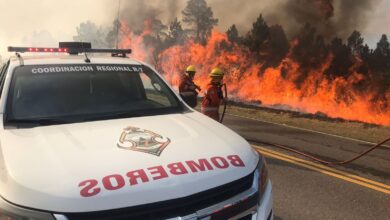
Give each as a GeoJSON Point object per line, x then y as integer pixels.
{"type": "Point", "coordinates": [117, 24]}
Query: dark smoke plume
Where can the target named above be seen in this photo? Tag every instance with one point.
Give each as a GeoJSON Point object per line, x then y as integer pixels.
{"type": "Point", "coordinates": [330, 17]}
{"type": "Point", "coordinates": [136, 12]}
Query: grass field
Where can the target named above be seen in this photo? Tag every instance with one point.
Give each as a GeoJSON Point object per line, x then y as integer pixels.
{"type": "Point", "coordinates": [351, 129]}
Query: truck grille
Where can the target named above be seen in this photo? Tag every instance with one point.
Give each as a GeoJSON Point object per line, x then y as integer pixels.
{"type": "Point", "coordinates": [178, 207]}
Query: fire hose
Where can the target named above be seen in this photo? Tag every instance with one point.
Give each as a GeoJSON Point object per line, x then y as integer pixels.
{"type": "Point", "coordinates": [286, 148]}
{"type": "Point", "coordinates": [333, 163]}
{"type": "Point", "coordinates": [225, 102]}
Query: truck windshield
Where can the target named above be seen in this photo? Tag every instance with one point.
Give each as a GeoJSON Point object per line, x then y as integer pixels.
{"type": "Point", "coordinates": [55, 94]}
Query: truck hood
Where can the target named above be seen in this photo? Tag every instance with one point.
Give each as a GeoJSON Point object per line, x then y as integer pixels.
{"type": "Point", "coordinates": [119, 163]}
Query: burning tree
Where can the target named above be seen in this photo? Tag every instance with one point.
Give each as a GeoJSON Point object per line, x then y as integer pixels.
{"type": "Point", "coordinates": [176, 33]}
{"type": "Point", "coordinates": [256, 37]}
{"type": "Point", "coordinates": [233, 35]}
{"type": "Point", "coordinates": [310, 72]}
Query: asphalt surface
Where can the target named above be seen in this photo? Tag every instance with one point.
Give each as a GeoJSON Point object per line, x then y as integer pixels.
{"type": "Point", "coordinates": [305, 193]}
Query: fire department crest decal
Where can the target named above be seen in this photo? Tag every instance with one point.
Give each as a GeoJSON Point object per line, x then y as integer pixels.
{"type": "Point", "coordinates": [142, 140]}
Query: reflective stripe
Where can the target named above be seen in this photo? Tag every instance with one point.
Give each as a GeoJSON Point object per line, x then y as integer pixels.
{"type": "Point", "coordinates": [187, 93]}
{"type": "Point", "coordinates": [187, 87]}
{"type": "Point", "coordinates": [188, 83]}
{"type": "Point", "coordinates": [210, 109]}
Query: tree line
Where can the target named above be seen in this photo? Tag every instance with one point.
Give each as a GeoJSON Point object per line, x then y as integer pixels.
{"type": "Point", "coordinates": [268, 44]}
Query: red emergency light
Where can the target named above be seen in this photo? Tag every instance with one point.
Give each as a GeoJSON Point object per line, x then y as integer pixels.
{"type": "Point", "coordinates": [37, 49]}
{"type": "Point", "coordinates": [66, 50]}
{"type": "Point", "coordinates": [72, 48]}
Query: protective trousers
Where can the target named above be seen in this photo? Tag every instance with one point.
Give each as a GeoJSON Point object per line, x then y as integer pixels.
{"type": "Point", "coordinates": [211, 101]}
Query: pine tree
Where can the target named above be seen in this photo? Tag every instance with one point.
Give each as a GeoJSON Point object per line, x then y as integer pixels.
{"type": "Point", "coordinates": [380, 61]}
{"type": "Point", "coordinates": [355, 43]}
{"type": "Point", "coordinates": [232, 34]}
{"type": "Point", "coordinates": [198, 15]}
{"type": "Point", "coordinates": [383, 46]}
{"type": "Point", "coordinates": [176, 34]}
{"type": "Point", "coordinates": [257, 35]}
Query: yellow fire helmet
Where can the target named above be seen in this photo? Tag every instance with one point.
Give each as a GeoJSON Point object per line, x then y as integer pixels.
{"type": "Point", "coordinates": [191, 69]}
{"type": "Point", "coordinates": [216, 72]}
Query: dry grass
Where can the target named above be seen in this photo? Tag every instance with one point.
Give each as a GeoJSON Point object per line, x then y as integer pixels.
{"type": "Point", "coordinates": [351, 129]}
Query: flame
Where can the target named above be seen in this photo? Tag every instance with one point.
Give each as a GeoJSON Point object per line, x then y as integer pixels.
{"type": "Point", "coordinates": [273, 86]}
{"type": "Point", "coordinates": [136, 42]}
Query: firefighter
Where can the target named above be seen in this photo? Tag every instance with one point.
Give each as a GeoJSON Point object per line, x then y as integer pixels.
{"type": "Point", "coordinates": [187, 88]}
{"type": "Point", "coordinates": [213, 95]}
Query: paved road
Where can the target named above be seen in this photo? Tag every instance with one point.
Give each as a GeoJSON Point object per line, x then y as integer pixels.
{"type": "Point", "coordinates": [303, 190]}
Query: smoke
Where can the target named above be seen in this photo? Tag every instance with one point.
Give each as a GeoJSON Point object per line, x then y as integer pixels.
{"type": "Point", "coordinates": [40, 39]}
{"type": "Point", "coordinates": [46, 22]}
{"type": "Point", "coordinates": [241, 13]}
{"type": "Point", "coordinates": [136, 12]}
{"type": "Point", "coordinates": [330, 17]}
{"type": "Point", "coordinates": [353, 14]}
{"type": "Point", "coordinates": [61, 17]}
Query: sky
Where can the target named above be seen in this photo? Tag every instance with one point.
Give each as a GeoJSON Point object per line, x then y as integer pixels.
{"type": "Point", "coordinates": [45, 22]}
{"type": "Point", "coordinates": [379, 23]}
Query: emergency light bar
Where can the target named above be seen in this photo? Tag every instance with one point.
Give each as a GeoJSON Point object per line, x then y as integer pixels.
{"type": "Point", "coordinates": [37, 49]}
{"type": "Point", "coordinates": [69, 47]}
{"type": "Point", "coordinates": [66, 50]}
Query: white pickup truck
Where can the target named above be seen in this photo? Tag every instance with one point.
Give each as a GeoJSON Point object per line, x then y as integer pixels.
{"type": "Point", "coordinates": [104, 137]}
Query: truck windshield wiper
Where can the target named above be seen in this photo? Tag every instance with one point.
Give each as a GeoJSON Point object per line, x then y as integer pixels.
{"type": "Point", "coordinates": [78, 118]}
{"type": "Point", "coordinates": [39, 121]}
{"type": "Point", "coordinates": [113, 115]}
